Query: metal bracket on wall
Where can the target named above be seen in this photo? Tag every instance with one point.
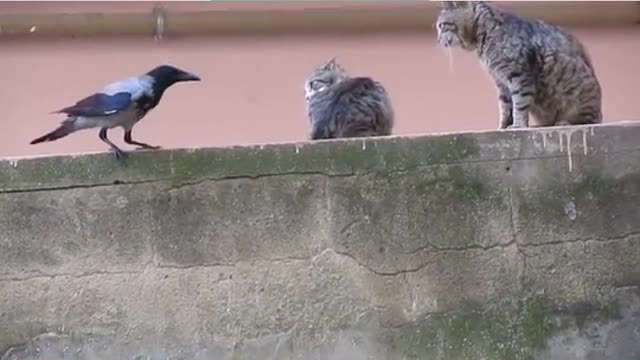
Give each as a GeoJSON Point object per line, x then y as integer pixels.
{"type": "Point", "coordinates": [159, 21]}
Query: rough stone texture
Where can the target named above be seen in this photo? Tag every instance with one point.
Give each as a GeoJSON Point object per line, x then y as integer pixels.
{"type": "Point", "coordinates": [514, 245]}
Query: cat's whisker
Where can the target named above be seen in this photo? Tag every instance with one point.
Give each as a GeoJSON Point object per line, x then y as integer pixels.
{"type": "Point", "coordinates": [448, 52]}
{"type": "Point", "coordinates": [450, 55]}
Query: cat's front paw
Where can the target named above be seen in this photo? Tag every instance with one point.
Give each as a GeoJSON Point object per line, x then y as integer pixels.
{"type": "Point", "coordinates": [515, 126]}
{"type": "Point", "coordinates": [504, 125]}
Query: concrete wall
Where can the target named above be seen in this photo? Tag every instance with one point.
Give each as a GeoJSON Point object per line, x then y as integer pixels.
{"type": "Point", "coordinates": [495, 245]}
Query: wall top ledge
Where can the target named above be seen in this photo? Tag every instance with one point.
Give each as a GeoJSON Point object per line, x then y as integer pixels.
{"type": "Point", "coordinates": [326, 158]}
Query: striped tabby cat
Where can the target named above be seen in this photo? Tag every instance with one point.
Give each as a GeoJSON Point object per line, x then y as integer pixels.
{"type": "Point", "coordinates": [340, 106]}
{"type": "Point", "coordinates": [539, 69]}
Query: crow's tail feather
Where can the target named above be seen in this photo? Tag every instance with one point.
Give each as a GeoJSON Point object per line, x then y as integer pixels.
{"type": "Point", "coordinates": [63, 130]}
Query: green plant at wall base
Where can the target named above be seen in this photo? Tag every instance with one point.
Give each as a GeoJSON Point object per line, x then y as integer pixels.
{"type": "Point", "coordinates": [515, 330]}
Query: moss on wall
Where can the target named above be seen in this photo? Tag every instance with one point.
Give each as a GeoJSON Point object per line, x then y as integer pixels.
{"type": "Point", "coordinates": [178, 166]}
{"type": "Point", "coordinates": [507, 331]}
{"type": "Point", "coordinates": [547, 202]}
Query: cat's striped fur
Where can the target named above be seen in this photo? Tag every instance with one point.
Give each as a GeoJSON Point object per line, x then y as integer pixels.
{"type": "Point", "coordinates": [340, 106]}
{"type": "Point", "coordinates": [539, 69]}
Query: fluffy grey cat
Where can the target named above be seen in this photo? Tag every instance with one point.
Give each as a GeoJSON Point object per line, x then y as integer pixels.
{"type": "Point", "coordinates": [340, 106]}
{"type": "Point", "coordinates": [539, 69]}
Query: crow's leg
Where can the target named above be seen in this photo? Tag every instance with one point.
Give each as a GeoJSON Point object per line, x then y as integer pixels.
{"type": "Point", "coordinates": [120, 155]}
{"type": "Point", "coordinates": [128, 140]}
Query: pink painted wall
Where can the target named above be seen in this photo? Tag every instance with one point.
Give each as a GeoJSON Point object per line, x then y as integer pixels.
{"type": "Point", "coordinates": [252, 88]}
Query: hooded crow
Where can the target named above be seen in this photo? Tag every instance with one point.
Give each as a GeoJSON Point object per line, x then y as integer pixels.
{"type": "Point", "coordinates": [119, 104]}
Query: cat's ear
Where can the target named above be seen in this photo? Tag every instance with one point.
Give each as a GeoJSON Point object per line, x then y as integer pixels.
{"type": "Point", "coordinates": [330, 65]}
{"type": "Point", "coordinates": [449, 5]}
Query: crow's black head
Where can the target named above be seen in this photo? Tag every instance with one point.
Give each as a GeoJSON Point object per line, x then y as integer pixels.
{"type": "Point", "coordinates": [167, 75]}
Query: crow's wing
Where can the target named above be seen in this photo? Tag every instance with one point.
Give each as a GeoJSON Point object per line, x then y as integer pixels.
{"type": "Point", "coordinates": [99, 104]}
{"type": "Point", "coordinates": [112, 99]}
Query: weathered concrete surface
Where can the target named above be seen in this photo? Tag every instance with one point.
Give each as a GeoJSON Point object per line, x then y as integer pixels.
{"type": "Point", "coordinates": [494, 245]}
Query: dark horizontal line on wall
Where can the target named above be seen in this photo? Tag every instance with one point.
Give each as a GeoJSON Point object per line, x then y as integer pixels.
{"type": "Point", "coordinates": [189, 18]}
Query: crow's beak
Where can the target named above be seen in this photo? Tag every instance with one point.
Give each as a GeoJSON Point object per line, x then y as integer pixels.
{"type": "Point", "coordinates": [185, 76]}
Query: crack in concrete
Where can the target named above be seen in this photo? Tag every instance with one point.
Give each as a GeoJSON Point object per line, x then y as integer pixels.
{"type": "Point", "coordinates": [116, 182]}
{"type": "Point", "coordinates": [377, 272]}
{"type": "Point", "coordinates": [195, 182]}
{"type": "Point", "coordinates": [154, 262]}
{"type": "Point", "coordinates": [37, 274]}
{"type": "Point", "coordinates": [195, 266]}
{"type": "Point", "coordinates": [437, 249]}
{"type": "Point", "coordinates": [34, 275]}
{"type": "Point", "coordinates": [256, 177]}
{"type": "Point", "coordinates": [624, 237]}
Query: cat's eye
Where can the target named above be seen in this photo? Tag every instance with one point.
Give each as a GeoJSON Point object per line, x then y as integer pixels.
{"type": "Point", "coordinates": [447, 25]}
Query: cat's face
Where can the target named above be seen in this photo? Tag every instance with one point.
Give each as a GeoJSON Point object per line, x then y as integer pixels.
{"type": "Point", "coordinates": [455, 24]}
{"type": "Point", "coordinates": [323, 78]}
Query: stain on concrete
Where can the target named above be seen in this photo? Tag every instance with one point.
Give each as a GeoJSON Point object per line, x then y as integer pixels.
{"type": "Point", "coordinates": [453, 246]}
